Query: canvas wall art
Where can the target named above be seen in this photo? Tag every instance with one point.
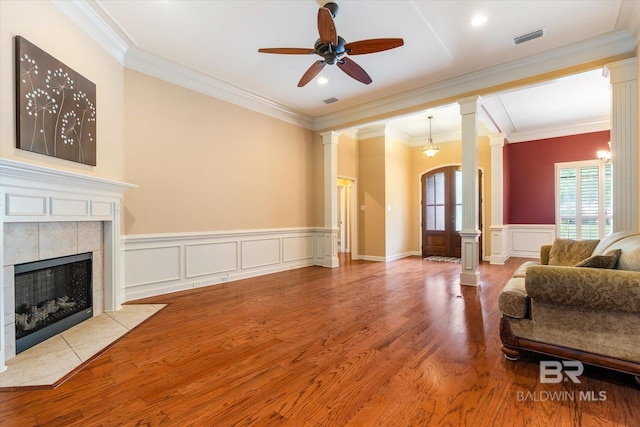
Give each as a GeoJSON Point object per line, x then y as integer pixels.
{"type": "Point", "coordinates": [55, 106]}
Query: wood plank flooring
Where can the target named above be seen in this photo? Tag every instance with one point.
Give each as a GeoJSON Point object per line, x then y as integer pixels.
{"type": "Point", "coordinates": [366, 344]}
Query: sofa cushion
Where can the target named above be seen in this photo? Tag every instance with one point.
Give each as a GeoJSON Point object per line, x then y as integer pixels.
{"type": "Point", "coordinates": [610, 239]}
{"type": "Point", "coordinates": [608, 260]}
{"type": "Point", "coordinates": [513, 301]}
{"type": "Point", "coordinates": [522, 270]}
{"type": "Point", "coordinates": [630, 256]}
{"type": "Point", "coordinates": [569, 252]}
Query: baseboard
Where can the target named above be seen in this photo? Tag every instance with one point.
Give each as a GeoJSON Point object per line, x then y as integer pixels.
{"type": "Point", "coordinates": [390, 257]}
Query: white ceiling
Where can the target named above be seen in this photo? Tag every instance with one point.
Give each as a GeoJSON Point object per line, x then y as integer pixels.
{"type": "Point", "coordinates": [215, 44]}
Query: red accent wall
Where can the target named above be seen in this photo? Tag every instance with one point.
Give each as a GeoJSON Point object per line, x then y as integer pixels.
{"type": "Point", "coordinates": [530, 169]}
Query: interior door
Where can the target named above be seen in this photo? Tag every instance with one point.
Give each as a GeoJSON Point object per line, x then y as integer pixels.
{"type": "Point", "coordinates": [442, 212]}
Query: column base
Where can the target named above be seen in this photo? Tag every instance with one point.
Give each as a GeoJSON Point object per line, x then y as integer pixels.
{"type": "Point", "coordinates": [331, 262]}
{"type": "Point", "coordinates": [470, 279]}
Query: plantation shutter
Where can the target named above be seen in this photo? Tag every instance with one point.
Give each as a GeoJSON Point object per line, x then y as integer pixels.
{"type": "Point", "coordinates": [583, 200]}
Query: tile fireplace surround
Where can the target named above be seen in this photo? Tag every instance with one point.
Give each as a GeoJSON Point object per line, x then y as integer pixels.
{"type": "Point", "coordinates": [46, 213]}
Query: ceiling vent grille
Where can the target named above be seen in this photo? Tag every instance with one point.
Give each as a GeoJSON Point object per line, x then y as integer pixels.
{"type": "Point", "coordinates": [529, 36]}
{"type": "Point", "coordinates": [330, 100]}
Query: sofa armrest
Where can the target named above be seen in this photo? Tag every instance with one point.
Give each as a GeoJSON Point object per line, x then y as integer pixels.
{"type": "Point", "coordinates": [545, 250]}
{"type": "Point", "coordinates": [592, 288]}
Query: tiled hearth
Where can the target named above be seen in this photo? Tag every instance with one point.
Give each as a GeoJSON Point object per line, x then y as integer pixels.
{"type": "Point", "coordinates": [28, 242]}
{"type": "Point", "coordinates": [49, 362]}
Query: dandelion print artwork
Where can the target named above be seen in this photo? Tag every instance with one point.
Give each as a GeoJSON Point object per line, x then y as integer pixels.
{"type": "Point", "coordinates": [56, 107]}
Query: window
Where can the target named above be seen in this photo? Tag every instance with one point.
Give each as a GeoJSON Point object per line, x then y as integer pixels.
{"type": "Point", "coordinates": [583, 200]}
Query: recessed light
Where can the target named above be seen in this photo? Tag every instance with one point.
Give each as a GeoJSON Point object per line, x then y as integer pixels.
{"type": "Point", "coordinates": [322, 80]}
{"type": "Point", "coordinates": [478, 20]}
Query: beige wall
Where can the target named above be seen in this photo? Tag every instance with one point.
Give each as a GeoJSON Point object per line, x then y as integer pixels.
{"type": "Point", "coordinates": [371, 188]}
{"type": "Point", "coordinates": [398, 198]}
{"type": "Point", "coordinates": [44, 25]}
{"type": "Point", "coordinates": [347, 157]}
{"type": "Point", "coordinates": [203, 164]}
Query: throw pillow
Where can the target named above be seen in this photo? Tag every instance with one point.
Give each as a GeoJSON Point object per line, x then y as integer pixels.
{"type": "Point", "coordinates": [608, 260]}
{"type": "Point", "coordinates": [569, 252]}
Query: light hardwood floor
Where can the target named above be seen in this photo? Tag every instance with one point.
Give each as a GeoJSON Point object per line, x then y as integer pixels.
{"type": "Point", "coordinates": [365, 344]}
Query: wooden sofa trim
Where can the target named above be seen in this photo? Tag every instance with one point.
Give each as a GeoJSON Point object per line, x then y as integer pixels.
{"type": "Point", "coordinates": [512, 345]}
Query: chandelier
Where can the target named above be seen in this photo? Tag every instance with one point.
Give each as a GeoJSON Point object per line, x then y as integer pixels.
{"type": "Point", "coordinates": [431, 149]}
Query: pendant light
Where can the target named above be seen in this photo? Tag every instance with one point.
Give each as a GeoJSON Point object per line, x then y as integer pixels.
{"type": "Point", "coordinates": [431, 149]}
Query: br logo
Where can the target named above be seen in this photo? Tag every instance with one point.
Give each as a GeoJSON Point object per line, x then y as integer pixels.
{"type": "Point", "coordinates": [554, 372]}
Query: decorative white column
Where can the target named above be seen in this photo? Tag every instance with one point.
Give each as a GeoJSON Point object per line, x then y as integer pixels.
{"type": "Point", "coordinates": [624, 140]}
{"type": "Point", "coordinates": [470, 197]}
{"type": "Point", "coordinates": [499, 246]}
{"type": "Point", "coordinates": [331, 230]}
{"type": "Point", "coordinates": [3, 343]}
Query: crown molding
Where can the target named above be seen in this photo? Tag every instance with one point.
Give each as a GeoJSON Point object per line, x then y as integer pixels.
{"type": "Point", "coordinates": [86, 14]}
{"type": "Point", "coordinates": [163, 69]}
{"type": "Point", "coordinates": [86, 17]}
{"type": "Point", "coordinates": [373, 130]}
{"type": "Point", "coordinates": [557, 132]}
{"type": "Point", "coordinates": [618, 43]}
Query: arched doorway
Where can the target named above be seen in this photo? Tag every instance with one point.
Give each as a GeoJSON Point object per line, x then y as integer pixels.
{"type": "Point", "coordinates": [442, 211]}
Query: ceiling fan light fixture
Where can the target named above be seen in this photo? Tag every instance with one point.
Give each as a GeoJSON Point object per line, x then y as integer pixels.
{"type": "Point", "coordinates": [431, 149]}
{"type": "Point", "coordinates": [334, 49]}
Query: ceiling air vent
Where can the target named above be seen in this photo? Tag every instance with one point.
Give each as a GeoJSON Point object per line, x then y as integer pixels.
{"type": "Point", "coordinates": [529, 36]}
{"type": "Point", "coordinates": [330, 100]}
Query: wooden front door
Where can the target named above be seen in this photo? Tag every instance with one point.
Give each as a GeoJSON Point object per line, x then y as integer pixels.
{"type": "Point", "coordinates": [442, 212]}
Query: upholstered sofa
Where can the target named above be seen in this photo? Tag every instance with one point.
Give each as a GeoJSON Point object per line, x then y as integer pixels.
{"type": "Point", "coordinates": [580, 302]}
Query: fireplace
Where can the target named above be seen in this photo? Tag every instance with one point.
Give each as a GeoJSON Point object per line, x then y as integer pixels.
{"type": "Point", "coordinates": [47, 213]}
{"type": "Point", "coordinates": [51, 296]}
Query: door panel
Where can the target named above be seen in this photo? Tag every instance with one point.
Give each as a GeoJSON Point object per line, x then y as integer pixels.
{"type": "Point", "coordinates": [442, 212]}
{"type": "Point", "coordinates": [441, 209]}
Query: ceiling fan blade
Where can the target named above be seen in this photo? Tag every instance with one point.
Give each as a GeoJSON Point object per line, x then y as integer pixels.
{"type": "Point", "coordinates": [326, 27]}
{"type": "Point", "coordinates": [372, 45]}
{"type": "Point", "coordinates": [354, 70]}
{"type": "Point", "coordinates": [287, 50]}
{"type": "Point", "coordinates": [311, 72]}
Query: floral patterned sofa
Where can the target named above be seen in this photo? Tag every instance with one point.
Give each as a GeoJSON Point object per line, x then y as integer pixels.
{"type": "Point", "coordinates": [581, 302]}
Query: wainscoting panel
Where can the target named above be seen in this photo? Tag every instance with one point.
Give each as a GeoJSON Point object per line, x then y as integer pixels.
{"type": "Point", "coordinates": [526, 240]}
{"type": "Point", "coordinates": [297, 248]}
{"type": "Point", "coordinates": [211, 258]}
{"type": "Point", "coordinates": [260, 253]}
{"type": "Point", "coordinates": [162, 265]}
{"type": "Point", "coordinates": [157, 264]}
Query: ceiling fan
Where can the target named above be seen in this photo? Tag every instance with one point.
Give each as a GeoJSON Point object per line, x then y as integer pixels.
{"type": "Point", "coordinates": [333, 48]}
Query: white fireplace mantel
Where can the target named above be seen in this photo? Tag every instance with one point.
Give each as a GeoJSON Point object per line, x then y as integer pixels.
{"type": "Point", "coordinates": [32, 193]}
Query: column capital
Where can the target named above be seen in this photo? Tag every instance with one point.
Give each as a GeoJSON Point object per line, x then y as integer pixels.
{"type": "Point", "coordinates": [496, 139]}
{"type": "Point", "coordinates": [622, 71]}
{"type": "Point", "coordinates": [469, 105]}
{"type": "Point", "coordinates": [330, 137]}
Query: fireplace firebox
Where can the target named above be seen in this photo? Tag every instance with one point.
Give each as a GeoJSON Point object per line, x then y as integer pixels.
{"type": "Point", "coordinates": [51, 296]}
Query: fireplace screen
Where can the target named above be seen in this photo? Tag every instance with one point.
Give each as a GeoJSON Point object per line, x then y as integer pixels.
{"type": "Point", "coordinates": [51, 296]}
